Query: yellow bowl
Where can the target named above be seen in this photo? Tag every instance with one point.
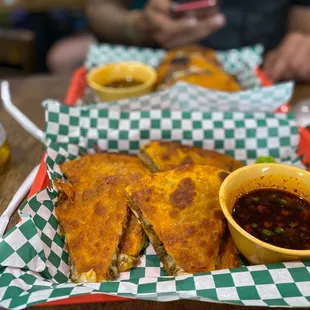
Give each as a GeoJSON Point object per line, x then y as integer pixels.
{"type": "Point", "coordinates": [255, 177]}
{"type": "Point", "coordinates": [103, 75]}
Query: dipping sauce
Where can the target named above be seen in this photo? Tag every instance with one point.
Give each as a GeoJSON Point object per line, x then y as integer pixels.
{"type": "Point", "coordinates": [124, 83]}
{"type": "Point", "coordinates": [274, 216]}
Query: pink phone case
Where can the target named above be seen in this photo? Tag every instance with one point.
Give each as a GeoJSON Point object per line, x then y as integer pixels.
{"type": "Point", "coordinates": [198, 8]}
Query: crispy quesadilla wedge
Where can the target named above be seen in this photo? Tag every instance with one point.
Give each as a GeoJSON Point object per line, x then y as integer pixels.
{"type": "Point", "coordinates": [195, 65]}
{"type": "Point", "coordinates": [93, 217]}
{"type": "Point", "coordinates": [163, 156]}
{"type": "Point", "coordinates": [131, 246]}
{"type": "Point", "coordinates": [228, 256]}
{"type": "Point", "coordinates": [180, 212]}
{"type": "Point", "coordinates": [100, 166]}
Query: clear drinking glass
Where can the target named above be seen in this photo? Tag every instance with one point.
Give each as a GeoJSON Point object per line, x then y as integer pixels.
{"type": "Point", "coordinates": [302, 113]}
{"type": "Point", "coordinates": [4, 149]}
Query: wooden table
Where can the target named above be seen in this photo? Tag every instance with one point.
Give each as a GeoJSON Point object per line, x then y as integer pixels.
{"type": "Point", "coordinates": [27, 94]}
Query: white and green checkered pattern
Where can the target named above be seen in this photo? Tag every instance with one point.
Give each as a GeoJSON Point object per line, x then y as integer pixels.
{"type": "Point", "coordinates": [34, 263]}
{"type": "Point", "coordinates": [188, 97]}
{"type": "Point", "coordinates": [106, 53]}
{"type": "Point", "coordinates": [239, 62]}
{"type": "Point", "coordinates": [234, 60]}
{"type": "Point", "coordinates": [244, 136]}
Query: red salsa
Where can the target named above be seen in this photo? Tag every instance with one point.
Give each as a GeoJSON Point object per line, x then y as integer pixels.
{"type": "Point", "coordinates": [276, 217]}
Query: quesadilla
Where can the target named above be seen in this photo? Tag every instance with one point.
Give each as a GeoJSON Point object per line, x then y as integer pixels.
{"type": "Point", "coordinates": [92, 166]}
{"type": "Point", "coordinates": [131, 246]}
{"type": "Point", "coordinates": [228, 256]}
{"type": "Point", "coordinates": [162, 156]}
{"type": "Point", "coordinates": [93, 217]}
{"type": "Point", "coordinates": [110, 166]}
{"type": "Point", "coordinates": [180, 212]}
{"type": "Point", "coordinates": [195, 65]}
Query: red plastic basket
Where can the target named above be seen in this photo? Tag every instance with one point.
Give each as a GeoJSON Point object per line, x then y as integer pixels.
{"type": "Point", "coordinates": [75, 92]}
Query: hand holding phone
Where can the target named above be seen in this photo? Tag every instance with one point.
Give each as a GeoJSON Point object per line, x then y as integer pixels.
{"type": "Point", "coordinates": [171, 32]}
{"type": "Point", "coordinates": [196, 8]}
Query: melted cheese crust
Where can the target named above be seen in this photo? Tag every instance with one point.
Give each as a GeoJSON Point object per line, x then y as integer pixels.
{"type": "Point", "coordinates": [228, 256]}
{"type": "Point", "coordinates": [135, 239]}
{"type": "Point", "coordinates": [163, 156]}
{"type": "Point", "coordinates": [93, 221]}
{"type": "Point", "coordinates": [195, 65]}
{"type": "Point", "coordinates": [103, 177]}
{"type": "Point", "coordinates": [102, 165]}
{"type": "Point", "coordinates": [133, 242]}
{"type": "Point", "coordinates": [182, 209]}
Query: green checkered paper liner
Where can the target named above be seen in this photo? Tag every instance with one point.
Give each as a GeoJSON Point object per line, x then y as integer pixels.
{"type": "Point", "coordinates": [34, 262]}
{"type": "Point", "coordinates": [239, 62]}
{"type": "Point", "coordinates": [189, 97]}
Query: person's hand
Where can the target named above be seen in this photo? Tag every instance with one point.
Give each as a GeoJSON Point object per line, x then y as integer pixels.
{"type": "Point", "coordinates": [290, 60]}
{"type": "Point", "coordinates": [170, 33]}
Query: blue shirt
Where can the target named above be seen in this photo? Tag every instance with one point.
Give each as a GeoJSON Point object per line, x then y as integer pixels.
{"type": "Point", "coordinates": [249, 22]}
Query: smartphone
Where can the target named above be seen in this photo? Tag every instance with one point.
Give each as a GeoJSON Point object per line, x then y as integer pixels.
{"type": "Point", "coordinates": [197, 8]}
